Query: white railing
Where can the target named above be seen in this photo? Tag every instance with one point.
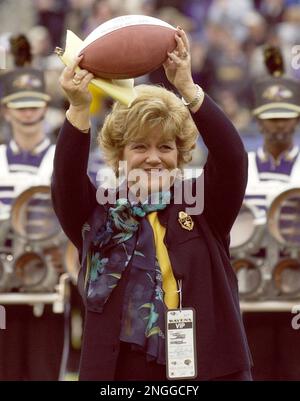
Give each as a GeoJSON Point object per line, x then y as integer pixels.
{"type": "Point", "coordinates": [58, 299]}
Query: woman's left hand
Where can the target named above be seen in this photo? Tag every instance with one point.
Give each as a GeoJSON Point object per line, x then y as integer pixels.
{"type": "Point", "coordinates": [178, 65]}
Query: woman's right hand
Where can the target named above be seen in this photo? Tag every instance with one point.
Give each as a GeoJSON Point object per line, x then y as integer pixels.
{"type": "Point", "coordinates": [75, 85]}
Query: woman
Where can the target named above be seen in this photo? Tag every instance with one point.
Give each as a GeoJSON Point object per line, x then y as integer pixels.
{"type": "Point", "coordinates": [133, 255]}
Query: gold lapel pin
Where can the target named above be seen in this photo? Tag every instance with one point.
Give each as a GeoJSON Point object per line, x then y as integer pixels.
{"type": "Point", "coordinates": [185, 221]}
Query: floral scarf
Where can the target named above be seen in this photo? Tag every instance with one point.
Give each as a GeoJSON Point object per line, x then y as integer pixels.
{"type": "Point", "coordinates": [127, 238]}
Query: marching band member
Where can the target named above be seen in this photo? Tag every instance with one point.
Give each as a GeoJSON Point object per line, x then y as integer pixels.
{"type": "Point", "coordinates": [30, 347]}
{"type": "Point", "coordinates": [273, 168]}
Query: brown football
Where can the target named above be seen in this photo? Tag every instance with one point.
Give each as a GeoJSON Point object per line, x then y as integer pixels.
{"type": "Point", "coordinates": [127, 47]}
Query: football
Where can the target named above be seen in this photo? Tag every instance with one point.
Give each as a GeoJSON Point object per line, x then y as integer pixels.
{"type": "Point", "coordinates": [127, 47]}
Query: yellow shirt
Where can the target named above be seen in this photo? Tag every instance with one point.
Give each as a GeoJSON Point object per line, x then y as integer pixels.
{"type": "Point", "coordinates": [169, 284]}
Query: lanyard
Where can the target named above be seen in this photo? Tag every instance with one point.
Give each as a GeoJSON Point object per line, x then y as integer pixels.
{"type": "Point", "coordinates": [180, 293]}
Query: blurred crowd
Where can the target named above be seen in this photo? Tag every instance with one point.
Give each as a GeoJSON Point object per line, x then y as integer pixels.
{"type": "Point", "coordinates": [227, 39]}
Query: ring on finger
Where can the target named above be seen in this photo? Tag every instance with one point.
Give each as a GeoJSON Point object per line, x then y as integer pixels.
{"type": "Point", "coordinates": [184, 55]}
{"type": "Point", "coordinates": [76, 81]}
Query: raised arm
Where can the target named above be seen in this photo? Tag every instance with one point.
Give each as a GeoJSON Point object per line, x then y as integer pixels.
{"type": "Point", "coordinates": [226, 169]}
{"type": "Point", "coordinates": [73, 195]}
{"type": "Point", "coordinates": [225, 172]}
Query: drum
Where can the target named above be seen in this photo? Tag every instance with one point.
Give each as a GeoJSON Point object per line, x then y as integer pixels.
{"type": "Point", "coordinates": [249, 276]}
{"type": "Point", "coordinates": [283, 218]}
{"type": "Point", "coordinates": [34, 273]}
{"type": "Point", "coordinates": [248, 230]}
{"type": "Point", "coordinates": [32, 215]}
{"type": "Point", "coordinates": [286, 277]}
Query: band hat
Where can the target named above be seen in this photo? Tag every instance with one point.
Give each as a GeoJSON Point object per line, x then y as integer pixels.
{"type": "Point", "coordinates": [277, 97]}
{"type": "Point", "coordinates": [24, 88]}
{"type": "Point", "coordinates": [276, 110]}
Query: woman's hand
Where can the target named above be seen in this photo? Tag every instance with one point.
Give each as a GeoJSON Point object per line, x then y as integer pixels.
{"type": "Point", "coordinates": [75, 84]}
{"type": "Point", "coordinates": [178, 65]}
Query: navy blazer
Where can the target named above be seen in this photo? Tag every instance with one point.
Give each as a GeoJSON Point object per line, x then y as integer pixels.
{"type": "Point", "coordinates": [199, 257]}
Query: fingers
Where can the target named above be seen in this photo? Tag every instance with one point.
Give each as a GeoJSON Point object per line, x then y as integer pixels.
{"type": "Point", "coordinates": [70, 70]}
{"type": "Point", "coordinates": [184, 38]}
{"type": "Point", "coordinates": [175, 58]}
{"type": "Point", "coordinates": [73, 72]}
{"type": "Point", "coordinates": [85, 81]}
{"type": "Point", "coordinates": [181, 48]}
{"type": "Point", "coordinates": [75, 63]}
{"type": "Point", "coordinates": [80, 75]}
{"type": "Point", "coordinates": [73, 78]}
{"type": "Point", "coordinates": [167, 63]}
{"type": "Point", "coordinates": [74, 82]}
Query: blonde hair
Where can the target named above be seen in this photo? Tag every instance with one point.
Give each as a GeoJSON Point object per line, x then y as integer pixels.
{"type": "Point", "coordinates": [154, 106]}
